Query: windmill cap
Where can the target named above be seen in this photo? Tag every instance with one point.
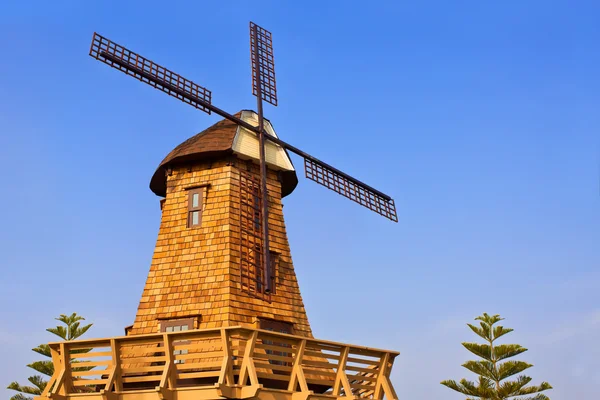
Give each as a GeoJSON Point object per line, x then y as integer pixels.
{"type": "Point", "coordinates": [222, 139]}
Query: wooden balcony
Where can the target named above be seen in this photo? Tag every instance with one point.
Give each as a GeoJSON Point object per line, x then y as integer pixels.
{"type": "Point", "coordinates": [225, 363]}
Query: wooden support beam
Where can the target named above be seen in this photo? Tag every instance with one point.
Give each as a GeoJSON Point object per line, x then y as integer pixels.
{"type": "Point", "coordinates": [247, 369]}
{"type": "Point", "coordinates": [63, 382]}
{"type": "Point", "coordinates": [341, 379]}
{"type": "Point", "coordinates": [226, 374]}
{"type": "Point", "coordinates": [115, 363]}
{"type": "Point", "coordinates": [57, 369]}
{"type": "Point", "coordinates": [383, 384]}
{"type": "Point", "coordinates": [168, 380]}
{"type": "Point", "coordinates": [297, 374]}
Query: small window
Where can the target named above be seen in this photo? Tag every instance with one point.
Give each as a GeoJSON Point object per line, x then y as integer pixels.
{"type": "Point", "coordinates": [195, 203]}
{"type": "Point", "coordinates": [178, 325]}
{"type": "Point", "coordinates": [277, 326]}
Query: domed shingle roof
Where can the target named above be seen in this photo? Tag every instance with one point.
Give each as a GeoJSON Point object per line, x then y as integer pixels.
{"type": "Point", "coordinates": [213, 142]}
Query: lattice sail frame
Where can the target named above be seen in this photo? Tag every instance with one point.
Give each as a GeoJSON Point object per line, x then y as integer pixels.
{"type": "Point", "coordinates": [265, 65]}
{"type": "Point", "coordinates": [360, 194]}
{"type": "Point", "coordinates": [107, 51]}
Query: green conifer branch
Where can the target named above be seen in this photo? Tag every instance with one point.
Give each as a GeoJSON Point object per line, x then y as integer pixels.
{"type": "Point", "coordinates": [494, 369]}
{"type": "Point", "coordinates": [71, 330]}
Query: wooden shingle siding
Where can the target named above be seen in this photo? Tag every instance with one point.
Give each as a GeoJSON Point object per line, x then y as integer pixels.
{"type": "Point", "coordinates": [197, 271]}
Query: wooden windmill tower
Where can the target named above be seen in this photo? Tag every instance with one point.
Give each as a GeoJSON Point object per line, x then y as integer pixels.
{"type": "Point", "coordinates": [221, 315]}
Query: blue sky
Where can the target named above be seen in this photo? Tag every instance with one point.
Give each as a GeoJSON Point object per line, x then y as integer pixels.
{"type": "Point", "coordinates": [479, 118]}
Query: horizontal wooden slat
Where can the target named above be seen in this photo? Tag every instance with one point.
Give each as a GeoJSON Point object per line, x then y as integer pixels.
{"type": "Point", "coordinates": [366, 352]}
{"type": "Point", "coordinates": [318, 364]}
{"type": "Point", "coordinates": [142, 360]}
{"type": "Point", "coordinates": [141, 350]}
{"type": "Point", "coordinates": [273, 357]}
{"type": "Point", "coordinates": [137, 370]}
{"type": "Point", "coordinates": [334, 348]}
{"type": "Point", "coordinates": [361, 378]}
{"type": "Point", "coordinates": [92, 344]}
{"type": "Point", "coordinates": [362, 361]}
{"type": "Point", "coordinates": [84, 382]}
{"type": "Point", "coordinates": [91, 355]}
{"type": "Point", "coordinates": [200, 357]}
{"type": "Point", "coordinates": [147, 378]}
{"type": "Point", "coordinates": [204, 374]}
{"type": "Point", "coordinates": [272, 366]}
{"type": "Point", "coordinates": [365, 393]}
{"type": "Point", "coordinates": [199, 347]}
{"type": "Point", "coordinates": [267, 375]}
{"type": "Point", "coordinates": [90, 363]}
{"type": "Point", "coordinates": [138, 340]}
{"type": "Point", "coordinates": [280, 349]}
{"type": "Point", "coordinates": [205, 355]}
{"type": "Point", "coordinates": [92, 372]}
{"type": "Point", "coordinates": [308, 372]}
{"type": "Point", "coordinates": [318, 354]}
{"type": "Point", "coordinates": [357, 386]}
{"type": "Point", "coordinates": [198, 365]}
{"type": "Point", "coordinates": [361, 369]}
{"type": "Point", "coordinates": [277, 339]}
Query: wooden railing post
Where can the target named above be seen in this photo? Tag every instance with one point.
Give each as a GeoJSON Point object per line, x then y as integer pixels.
{"type": "Point", "coordinates": [226, 374]}
{"type": "Point", "coordinates": [115, 375]}
{"type": "Point", "coordinates": [247, 370]}
{"type": "Point", "coordinates": [58, 368]}
{"type": "Point", "coordinates": [341, 379]}
{"type": "Point", "coordinates": [383, 384]}
{"type": "Point", "coordinates": [169, 377]}
{"type": "Point", "coordinates": [64, 381]}
{"type": "Point", "coordinates": [297, 375]}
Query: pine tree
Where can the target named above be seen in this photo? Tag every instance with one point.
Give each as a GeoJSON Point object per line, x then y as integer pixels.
{"type": "Point", "coordinates": [38, 383]}
{"type": "Point", "coordinates": [492, 373]}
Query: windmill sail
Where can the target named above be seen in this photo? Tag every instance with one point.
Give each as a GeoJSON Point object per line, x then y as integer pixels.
{"type": "Point", "coordinates": [149, 72]}
{"type": "Point", "coordinates": [263, 63]}
{"type": "Point", "coordinates": [352, 189]}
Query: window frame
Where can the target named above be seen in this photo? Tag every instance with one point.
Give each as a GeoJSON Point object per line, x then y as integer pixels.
{"type": "Point", "coordinates": [200, 191]}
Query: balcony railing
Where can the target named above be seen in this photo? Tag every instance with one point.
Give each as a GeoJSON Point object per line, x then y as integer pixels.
{"type": "Point", "coordinates": [233, 363]}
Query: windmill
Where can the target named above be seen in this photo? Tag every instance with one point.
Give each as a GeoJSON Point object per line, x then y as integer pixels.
{"type": "Point", "coordinates": [216, 320]}
{"type": "Point", "coordinates": [265, 89]}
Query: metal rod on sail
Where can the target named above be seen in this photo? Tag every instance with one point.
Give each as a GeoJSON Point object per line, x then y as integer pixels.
{"type": "Point", "coordinates": [263, 167]}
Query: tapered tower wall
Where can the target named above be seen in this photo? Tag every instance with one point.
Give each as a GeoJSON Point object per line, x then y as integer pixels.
{"type": "Point", "coordinates": [195, 271]}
